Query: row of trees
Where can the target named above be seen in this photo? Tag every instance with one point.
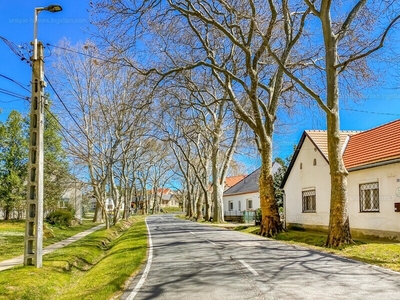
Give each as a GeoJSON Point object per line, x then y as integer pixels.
{"type": "Point", "coordinates": [256, 57]}
{"type": "Point", "coordinates": [14, 135]}
{"type": "Point", "coordinates": [133, 138]}
{"type": "Point", "coordinates": [179, 87]}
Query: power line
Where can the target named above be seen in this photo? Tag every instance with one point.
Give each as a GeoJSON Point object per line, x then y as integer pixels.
{"type": "Point", "coordinates": [16, 82]}
{"type": "Point", "coordinates": [12, 94]}
{"type": "Point", "coordinates": [371, 112]}
{"type": "Point", "coordinates": [15, 49]}
{"type": "Point", "coordinates": [69, 112]}
{"type": "Point", "coordinates": [62, 126]}
{"type": "Point", "coordinates": [89, 55]}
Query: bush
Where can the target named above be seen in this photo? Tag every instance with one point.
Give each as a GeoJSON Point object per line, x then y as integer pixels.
{"type": "Point", "coordinates": [60, 218]}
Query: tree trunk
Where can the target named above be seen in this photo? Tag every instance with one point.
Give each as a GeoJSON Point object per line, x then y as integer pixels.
{"type": "Point", "coordinates": [270, 223]}
{"type": "Point", "coordinates": [207, 205]}
{"type": "Point", "coordinates": [199, 208]}
{"type": "Point", "coordinates": [218, 204]}
{"type": "Point", "coordinates": [339, 225]}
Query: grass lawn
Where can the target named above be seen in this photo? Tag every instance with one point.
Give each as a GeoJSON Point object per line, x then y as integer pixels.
{"type": "Point", "coordinates": [381, 252]}
{"type": "Point", "coordinates": [12, 236]}
{"type": "Point", "coordinates": [95, 267]}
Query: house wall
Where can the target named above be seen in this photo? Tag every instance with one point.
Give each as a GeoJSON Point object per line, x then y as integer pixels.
{"type": "Point", "coordinates": [308, 177]}
{"type": "Point", "coordinates": [386, 219]}
{"type": "Point", "coordinates": [385, 223]}
{"type": "Point", "coordinates": [255, 197]}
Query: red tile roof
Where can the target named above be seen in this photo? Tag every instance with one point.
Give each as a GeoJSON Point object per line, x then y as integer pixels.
{"type": "Point", "coordinates": [232, 180]}
{"type": "Point", "coordinates": [375, 145]}
{"type": "Point", "coordinates": [320, 140]}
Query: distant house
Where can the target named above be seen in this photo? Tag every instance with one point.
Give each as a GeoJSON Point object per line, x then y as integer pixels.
{"type": "Point", "coordinates": [167, 198]}
{"type": "Point", "coordinates": [372, 159]}
{"type": "Point", "coordinates": [72, 197]}
{"type": "Point", "coordinates": [232, 180]}
{"type": "Point", "coordinates": [243, 196]}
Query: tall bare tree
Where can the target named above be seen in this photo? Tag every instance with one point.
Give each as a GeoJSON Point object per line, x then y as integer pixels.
{"type": "Point", "coordinates": [346, 34]}
{"type": "Point", "coordinates": [106, 116]}
{"type": "Point", "coordinates": [228, 39]}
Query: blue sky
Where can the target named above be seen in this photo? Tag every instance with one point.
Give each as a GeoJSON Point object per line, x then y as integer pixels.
{"type": "Point", "coordinates": [16, 25]}
{"type": "Point", "coordinates": [379, 106]}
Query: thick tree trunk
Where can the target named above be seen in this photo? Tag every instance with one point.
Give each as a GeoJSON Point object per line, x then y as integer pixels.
{"type": "Point", "coordinates": [218, 191]}
{"type": "Point", "coordinates": [270, 223]}
{"type": "Point", "coordinates": [339, 225]}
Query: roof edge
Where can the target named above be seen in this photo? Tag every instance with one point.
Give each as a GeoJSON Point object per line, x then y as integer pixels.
{"type": "Point", "coordinates": [242, 193]}
{"type": "Point", "coordinates": [374, 164]}
{"type": "Point", "coordinates": [295, 154]}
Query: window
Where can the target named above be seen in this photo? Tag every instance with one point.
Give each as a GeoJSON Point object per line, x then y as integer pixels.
{"type": "Point", "coordinates": [369, 197]}
{"type": "Point", "coordinates": [249, 203]}
{"type": "Point", "coordinates": [301, 166]}
{"type": "Point", "coordinates": [230, 205]}
{"type": "Point", "coordinates": [64, 202]}
{"type": "Point", "coordinates": [314, 162]}
{"type": "Point", "coordinates": [309, 201]}
{"type": "Point", "coordinates": [240, 206]}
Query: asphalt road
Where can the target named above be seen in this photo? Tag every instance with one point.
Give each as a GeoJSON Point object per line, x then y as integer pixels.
{"type": "Point", "coordinates": [188, 260]}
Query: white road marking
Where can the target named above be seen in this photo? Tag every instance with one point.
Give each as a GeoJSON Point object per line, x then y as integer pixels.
{"type": "Point", "coordinates": [249, 244]}
{"type": "Point", "coordinates": [206, 240]}
{"type": "Point", "coordinates": [211, 242]}
{"type": "Point", "coordinates": [146, 270]}
{"type": "Point", "coordinates": [248, 267]}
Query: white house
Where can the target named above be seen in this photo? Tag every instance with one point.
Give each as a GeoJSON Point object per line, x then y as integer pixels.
{"type": "Point", "coordinates": [372, 159]}
{"type": "Point", "coordinates": [244, 195]}
{"type": "Point", "coordinates": [167, 198]}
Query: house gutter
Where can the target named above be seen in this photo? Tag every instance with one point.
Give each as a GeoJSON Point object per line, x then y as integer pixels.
{"type": "Point", "coordinates": [373, 165]}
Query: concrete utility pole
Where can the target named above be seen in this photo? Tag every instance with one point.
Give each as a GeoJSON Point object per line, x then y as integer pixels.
{"type": "Point", "coordinates": [34, 204]}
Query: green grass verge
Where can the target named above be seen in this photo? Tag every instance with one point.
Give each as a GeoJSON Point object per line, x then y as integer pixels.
{"type": "Point", "coordinates": [12, 236]}
{"type": "Point", "coordinates": [95, 267]}
{"type": "Point", "coordinates": [381, 252]}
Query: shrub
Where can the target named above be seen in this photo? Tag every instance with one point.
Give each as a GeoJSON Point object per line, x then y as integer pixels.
{"type": "Point", "coordinates": [60, 218]}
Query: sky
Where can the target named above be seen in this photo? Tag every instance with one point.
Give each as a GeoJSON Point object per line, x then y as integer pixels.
{"type": "Point", "coordinates": [16, 26]}
{"type": "Point", "coordinates": [379, 106]}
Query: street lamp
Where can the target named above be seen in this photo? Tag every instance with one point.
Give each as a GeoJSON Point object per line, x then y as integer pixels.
{"type": "Point", "coordinates": [34, 205]}
{"type": "Point", "coordinates": [51, 8]}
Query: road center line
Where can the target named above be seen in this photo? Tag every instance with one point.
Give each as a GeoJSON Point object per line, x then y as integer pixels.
{"type": "Point", "coordinates": [146, 270]}
{"type": "Point", "coordinates": [248, 267]}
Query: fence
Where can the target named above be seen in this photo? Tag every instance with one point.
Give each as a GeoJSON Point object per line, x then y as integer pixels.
{"type": "Point", "coordinates": [239, 216]}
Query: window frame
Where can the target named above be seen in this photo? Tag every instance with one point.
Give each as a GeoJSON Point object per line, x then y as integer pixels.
{"type": "Point", "coordinates": [230, 205]}
{"type": "Point", "coordinates": [373, 201]}
{"type": "Point", "coordinates": [305, 202]}
{"type": "Point", "coordinates": [249, 203]}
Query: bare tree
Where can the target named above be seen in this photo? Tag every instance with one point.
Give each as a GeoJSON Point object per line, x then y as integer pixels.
{"type": "Point", "coordinates": [106, 115]}
{"type": "Point", "coordinates": [347, 38]}
{"type": "Point", "coordinates": [228, 39]}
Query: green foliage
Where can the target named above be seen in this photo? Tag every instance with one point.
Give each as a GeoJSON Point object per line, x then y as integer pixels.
{"type": "Point", "coordinates": [14, 148]}
{"type": "Point", "coordinates": [278, 178]}
{"type": "Point", "coordinates": [60, 218]}
{"type": "Point", "coordinates": [13, 163]}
